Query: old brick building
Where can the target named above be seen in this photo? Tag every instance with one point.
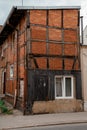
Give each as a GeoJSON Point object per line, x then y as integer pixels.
{"type": "Point", "coordinates": [40, 59]}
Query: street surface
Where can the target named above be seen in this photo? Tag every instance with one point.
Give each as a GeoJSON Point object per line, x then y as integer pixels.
{"type": "Point", "coordinates": [54, 121]}
{"type": "Point", "coordinates": [81, 126]}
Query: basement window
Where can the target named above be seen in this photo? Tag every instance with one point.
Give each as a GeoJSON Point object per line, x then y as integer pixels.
{"type": "Point", "coordinates": [63, 87]}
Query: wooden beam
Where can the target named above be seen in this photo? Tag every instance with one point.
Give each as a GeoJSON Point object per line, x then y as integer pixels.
{"type": "Point", "coordinates": [73, 66]}
{"type": "Point", "coordinates": [63, 64]}
{"type": "Point", "coordinates": [35, 62]}
{"type": "Point", "coordinates": [33, 55]}
{"type": "Point", "coordinates": [54, 27]}
{"type": "Point", "coordinates": [47, 37]}
{"type": "Point", "coordinates": [52, 41]}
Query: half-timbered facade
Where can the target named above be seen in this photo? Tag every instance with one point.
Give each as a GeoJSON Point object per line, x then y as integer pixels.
{"type": "Point", "coordinates": [40, 59]}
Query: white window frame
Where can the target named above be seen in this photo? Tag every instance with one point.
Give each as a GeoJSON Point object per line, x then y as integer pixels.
{"type": "Point", "coordinates": [63, 87]}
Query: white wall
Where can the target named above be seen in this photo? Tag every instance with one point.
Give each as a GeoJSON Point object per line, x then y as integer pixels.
{"type": "Point", "coordinates": [84, 74]}
{"type": "Point", "coordinates": [85, 36]}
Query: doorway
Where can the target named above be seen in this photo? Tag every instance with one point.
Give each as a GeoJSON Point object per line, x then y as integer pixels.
{"type": "Point", "coordinates": [41, 87]}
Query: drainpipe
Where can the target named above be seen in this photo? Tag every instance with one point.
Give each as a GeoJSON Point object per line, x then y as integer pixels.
{"type": "Point", "coordinates": [81, 30]}
{"type": "Point", "coordinates": [17, 83]}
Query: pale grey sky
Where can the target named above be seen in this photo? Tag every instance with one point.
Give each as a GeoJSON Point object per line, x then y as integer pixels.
{"type": "Point", "coordinates": [6, 5]}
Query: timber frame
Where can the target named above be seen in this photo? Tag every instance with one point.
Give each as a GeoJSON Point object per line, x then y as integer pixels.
{"type": "Point", "coordinates": [33, 56]}
{"type": "Point", "coordinates": [32, 68]}
{"type": "Point", "coordinates": [30, 56]}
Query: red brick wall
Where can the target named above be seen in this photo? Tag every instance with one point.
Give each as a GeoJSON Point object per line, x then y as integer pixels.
{"type": "Point", "coordinates": [38, 16]}
{"type": "Point", "coordinates": [55, 34]}
{"type": "Point", "coordinates": [38, 33]}
{"type": "Point", "coordinates": [55, 63]}
{"type": "Point", "coordinates": [68, 35]}
{"type": "Point", "coordinates": [70, 18]}
{"type": "Point", "coordinates": [55, 49]}
{"type": "Point", "coordinates": [39, 47]}
{"type": "Point", "coordinates": [11, 55]}
{"type": "Point", "coordinates": [55, 18]}
{"type": "Point", "coordinates": [70, 49]}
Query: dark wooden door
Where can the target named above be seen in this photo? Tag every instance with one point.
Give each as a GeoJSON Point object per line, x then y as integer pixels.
{"type": "Point", "coordinates": [41, 87]}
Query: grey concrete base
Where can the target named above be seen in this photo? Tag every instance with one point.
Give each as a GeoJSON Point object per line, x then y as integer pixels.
{"type": "Point", "coordinates": [57, 106]}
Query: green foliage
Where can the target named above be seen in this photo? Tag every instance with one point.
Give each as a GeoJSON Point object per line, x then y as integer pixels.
{"type": "Point", "coordinates": [1, 102]}
{"type": "Point", "coordinates": [4, 109]}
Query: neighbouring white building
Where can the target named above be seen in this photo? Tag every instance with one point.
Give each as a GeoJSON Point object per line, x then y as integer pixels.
{"type": "Point", "coordinates": [84, 67]}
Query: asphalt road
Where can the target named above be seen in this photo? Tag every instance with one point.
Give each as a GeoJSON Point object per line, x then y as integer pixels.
{"type": "Point", "coordinates": [82, 126]}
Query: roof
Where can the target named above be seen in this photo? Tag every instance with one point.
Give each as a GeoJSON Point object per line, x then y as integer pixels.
{"type": "Point", "coordinates": [17, 13]}
{"type": "Point", "coordinates": [48, 7]}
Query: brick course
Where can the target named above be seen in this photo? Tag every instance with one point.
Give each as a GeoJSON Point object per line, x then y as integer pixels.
{"type": "Point", "coordinates": [55, 18]}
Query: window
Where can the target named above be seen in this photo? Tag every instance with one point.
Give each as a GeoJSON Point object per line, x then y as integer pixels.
{"type": "Point", "coordinates": [11, 71]}
{"type": "Point", "coordinates": [63, 87]}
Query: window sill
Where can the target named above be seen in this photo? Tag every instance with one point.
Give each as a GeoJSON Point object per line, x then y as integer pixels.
{"type": "Point", "coordinates": [64, 97]}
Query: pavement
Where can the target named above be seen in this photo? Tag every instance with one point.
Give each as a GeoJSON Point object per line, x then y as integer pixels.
{"type": "Point", "coordinates": [17, 120]}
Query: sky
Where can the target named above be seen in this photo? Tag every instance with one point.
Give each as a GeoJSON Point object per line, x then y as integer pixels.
{"type": "Point", "coordinates": [6, 5]}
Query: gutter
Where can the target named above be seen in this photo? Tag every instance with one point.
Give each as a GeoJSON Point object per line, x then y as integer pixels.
{"type": "Point", "coordinates": [47, 7]}
{"type": "Point", "coordinates": [17, 81]}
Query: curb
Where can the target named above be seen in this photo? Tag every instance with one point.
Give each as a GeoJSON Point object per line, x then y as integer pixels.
{"type": "Point", "coordinates": [48, 124]}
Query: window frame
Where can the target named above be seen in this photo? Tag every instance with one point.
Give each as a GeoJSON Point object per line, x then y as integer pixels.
{"type": "Point", "coordinates": [63, 87]}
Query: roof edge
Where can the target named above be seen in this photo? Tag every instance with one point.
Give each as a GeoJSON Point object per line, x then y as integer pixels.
{"type": "Point", "coordinates": [48, 7]}
{"type": "Point", "coordinates": [12, 10]}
